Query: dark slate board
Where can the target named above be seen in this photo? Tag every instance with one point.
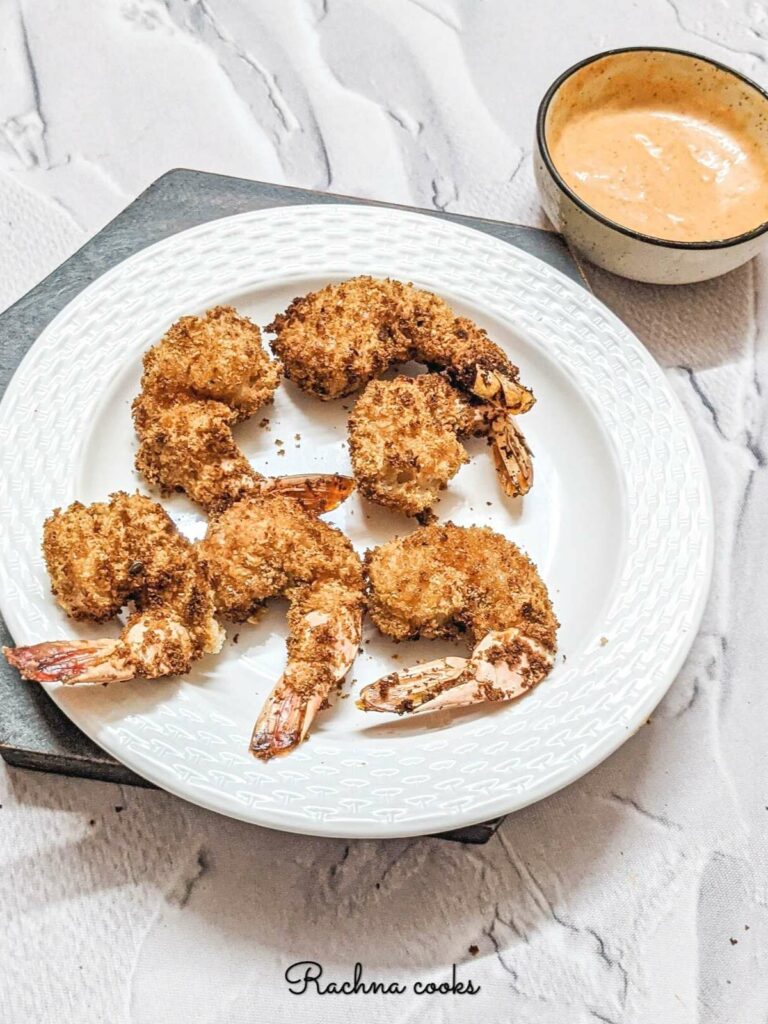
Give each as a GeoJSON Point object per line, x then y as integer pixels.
{"type": "Point", "coordinates": [33, 732]}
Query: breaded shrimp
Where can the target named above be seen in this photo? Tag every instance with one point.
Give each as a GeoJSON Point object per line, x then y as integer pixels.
{"type": "Point", "coordinates": [205, 375]}
{"type": "Point", "coordinates": [268, 546]}
{"type": "Point", "coordinates": [100, 557]}
{"type": "Point", "coordinates": [404, 440]}
{"type": "Point", "coordinates": [335, 340]}
{"type": "Point", "coordinates": [338, 339]}
{"type": "Point", "coordinates": [450, 581]}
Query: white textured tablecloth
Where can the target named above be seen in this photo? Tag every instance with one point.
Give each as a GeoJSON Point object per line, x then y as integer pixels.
{"type": "Point", "coordinates": [639, 894]}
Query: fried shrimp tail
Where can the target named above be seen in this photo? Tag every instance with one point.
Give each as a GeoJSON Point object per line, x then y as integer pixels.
{"type": "Point", "coordinates": [408, 690]}
{"type": "Point", "coordinates": [512, 456]}
{"type": "Point", "coordinates": [283, 722]}
{"type": "Point", "coordinates": [316, 493]}
{"type": "Point", "coordinates": [104, 556]}
{"type": "Point", "coordinates": [321, 651]}
{"type": "Point", "coordinates": [502, 389]}
{"type": "Point", "coordinates": [71, 661]}
{"type": "Point", "coordinates": [449, 581]}
{"type": "Point", "coordinates": [268, 546]}
{"type": "Point", "coordinates": [503, 666]}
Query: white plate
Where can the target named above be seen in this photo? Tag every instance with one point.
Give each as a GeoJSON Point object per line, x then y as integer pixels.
{"type": "Point", "coordinates": [619, 522]}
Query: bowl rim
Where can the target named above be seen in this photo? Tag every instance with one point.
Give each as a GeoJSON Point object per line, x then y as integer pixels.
{"type": "Point", "coordinates": [541, 140]}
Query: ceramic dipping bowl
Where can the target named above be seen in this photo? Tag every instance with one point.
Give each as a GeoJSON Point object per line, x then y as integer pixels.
{"type": "Point", "coordinates": [645, 71]}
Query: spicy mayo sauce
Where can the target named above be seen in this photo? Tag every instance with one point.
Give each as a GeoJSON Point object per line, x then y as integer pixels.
{"type": "Point", "coordinates": [669, 170]}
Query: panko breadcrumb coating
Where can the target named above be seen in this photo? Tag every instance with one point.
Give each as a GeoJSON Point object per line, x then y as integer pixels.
{"type": "Point", "coordinates": [206, 374]}
{"type": "Point", "coordinates": [450, 581]}
{"type": "Point", "coordinates": [404, 439]}
{"type": "Point", "coordinates": [341, 338]}
{"type": "Point", "coordinates": [268, 546]}
{"type": "Point", "coordinates": [103, 556]}
{"type": "Point", "coordinates": [217, 356]}
{"type": "Point", "coordinates": [335, 340]}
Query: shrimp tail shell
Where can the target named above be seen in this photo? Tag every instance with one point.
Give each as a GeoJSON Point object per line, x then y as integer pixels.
{"type": "Point", "coordinates": [70, 661]}
{"type": "Point", "coordinates": [513, 458]}
{"type": "Point", "coordinates": [502, 390]}
{"type": "Point", "coordinates": [503, 666]}
{"type": "Point", "coordinates": [403, 692]}
{"type": "Point", "coordinates": [284, 721]}
{"type": "Point", "coordinates": [315, 492]}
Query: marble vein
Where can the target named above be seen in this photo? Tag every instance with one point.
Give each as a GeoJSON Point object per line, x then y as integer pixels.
{"type": "Point", "coordinates": [23, 124]}
{"type": "Point", "coordinates": [712, 38]}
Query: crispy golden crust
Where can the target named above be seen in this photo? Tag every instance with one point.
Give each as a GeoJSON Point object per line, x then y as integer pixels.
{"type": "Point", "coordinates": [403, 440]}
{"type": "Point", "coordinates": [100, 557]}
{"type": "Point", "coordinates": [268, 546]}
{"type": "Point", "coordinates": [311, 648]}
{"type": "Point", "coordinates": [206, 374]}
{"type": "Point", "coordinates": [448, 581]}
{"type": "Point", "coordinates": [335, 340]}
{"type": "Point", "coordinates": [217, 356]}
{"type": "Point", "coordinates": [188, 446]}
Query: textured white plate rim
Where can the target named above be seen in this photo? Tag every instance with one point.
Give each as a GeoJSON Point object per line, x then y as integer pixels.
{"type": "Point", "coordinates": [548, 783]}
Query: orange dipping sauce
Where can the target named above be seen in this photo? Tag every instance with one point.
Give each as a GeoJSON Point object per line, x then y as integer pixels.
{"type": "Point", "coordinates": [667, 159]}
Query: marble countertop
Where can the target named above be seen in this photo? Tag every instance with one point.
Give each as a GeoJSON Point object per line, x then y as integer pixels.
{"type": "Point", "coordinates": [638, 894]}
